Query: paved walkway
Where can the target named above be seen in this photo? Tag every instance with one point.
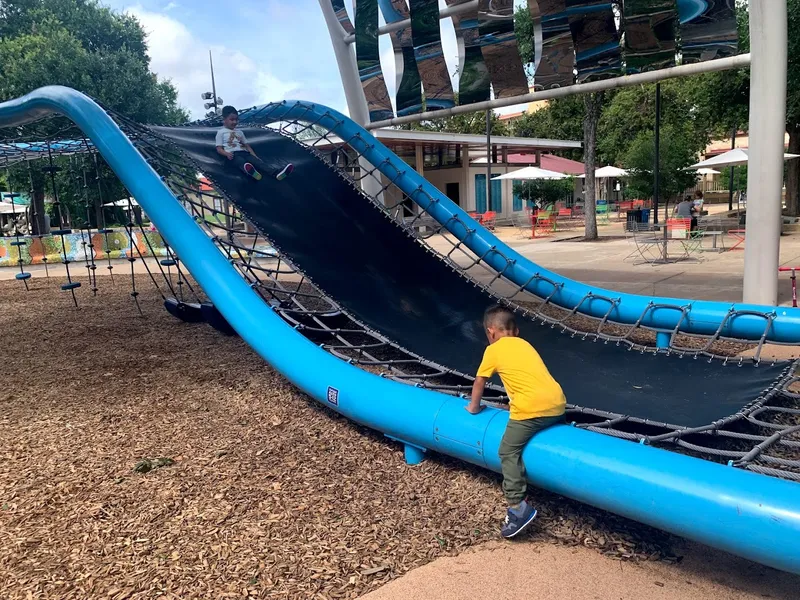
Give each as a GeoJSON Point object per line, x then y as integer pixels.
{"type": "Point", "coordinates": [541, 571]}
{"type": "Point", "coordinates": [716, 276]}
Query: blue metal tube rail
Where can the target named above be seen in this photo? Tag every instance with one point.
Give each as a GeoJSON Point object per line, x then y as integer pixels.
{"type": "Point", "coordinates": [742, 321]}
{"type": "Point", "coordinates": [744, 513]}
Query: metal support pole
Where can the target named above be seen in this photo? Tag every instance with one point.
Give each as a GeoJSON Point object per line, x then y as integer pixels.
{"type": "Point", "coordinates": [656, 160]}
{"type": "Point", "coordinates": [354, 94]}
{"type": "Point", "coordinates": [488, 160]}
{"type": "Point", "coordinates": [730, 173]}
{"type": "Point", "coordinates": [348, 68]}
{"type": "Point", "coordinates": [768, 43]}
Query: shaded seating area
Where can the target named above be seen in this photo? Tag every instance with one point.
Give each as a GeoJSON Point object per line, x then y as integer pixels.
{"type": "Point", "coordinates": [668, 242]}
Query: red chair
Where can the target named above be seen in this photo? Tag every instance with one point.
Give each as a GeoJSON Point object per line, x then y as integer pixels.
{"type": "Point", "coordinates": [488, 219]}
{"type": "Point", "coordinates": [564, 218]}
{"type": "Point", "coordinates": [544, 223]}
{"type": "Point", "coordinates": [679, 228]}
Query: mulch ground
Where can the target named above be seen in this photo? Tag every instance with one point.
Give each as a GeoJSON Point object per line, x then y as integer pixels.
{"type": "Point", "coordinates": [145, 457]}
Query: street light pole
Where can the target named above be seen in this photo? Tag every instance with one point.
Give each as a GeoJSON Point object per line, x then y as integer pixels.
{"type": "Point", "coordinates": [213, 85]}
{"type": "Point", "coordinates": [730, 173]}
{"type": "Point", "coordinates": [656, 166]}
{"type": "Point", "coordinates": [215, 102]}
{"type": "Point", "coordinates": [488, 159]}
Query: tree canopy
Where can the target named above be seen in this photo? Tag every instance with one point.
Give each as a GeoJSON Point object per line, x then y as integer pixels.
{"type": "Point", "coordinates": [674, 156]}
{"type": "Point", "coordinates": [89, 47]}
{"type": "Point", "coordinates": [84, 45]}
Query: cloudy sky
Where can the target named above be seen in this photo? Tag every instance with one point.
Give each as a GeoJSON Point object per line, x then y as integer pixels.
{"type": "Point", "coordinates": [264, 50]}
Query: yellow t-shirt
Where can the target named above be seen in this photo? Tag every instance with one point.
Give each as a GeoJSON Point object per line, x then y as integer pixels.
{"type": "Point", "coordinates": [531, 389]}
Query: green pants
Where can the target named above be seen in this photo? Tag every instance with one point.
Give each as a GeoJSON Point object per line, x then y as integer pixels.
{"type": "Point", "coordinates": [516, 436]}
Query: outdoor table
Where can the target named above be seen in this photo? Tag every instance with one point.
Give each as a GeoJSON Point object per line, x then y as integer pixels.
{"type": "Point", "coordinates": [715, 235]}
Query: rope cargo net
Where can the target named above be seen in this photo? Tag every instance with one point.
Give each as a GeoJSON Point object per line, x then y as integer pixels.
{"type": "Point", "coordinates": [763, 436]}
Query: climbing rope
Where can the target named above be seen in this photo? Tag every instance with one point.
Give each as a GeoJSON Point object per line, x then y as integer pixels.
{"type": "Point", "coordinates": [62, 231]}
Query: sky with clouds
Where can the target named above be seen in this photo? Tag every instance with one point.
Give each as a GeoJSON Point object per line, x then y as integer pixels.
{"type": "Point", "coordinates": [263, 50]}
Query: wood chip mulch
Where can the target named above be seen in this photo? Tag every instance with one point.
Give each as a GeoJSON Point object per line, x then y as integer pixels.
{"type": "Point", "coordinates": [145, 457]}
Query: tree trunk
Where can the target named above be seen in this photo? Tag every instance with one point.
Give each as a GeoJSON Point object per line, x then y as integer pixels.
{"type": "Point", "coordinates": [593, 103]}
{"type": "Point", "coordinates": [793, 172]}
{"type": "Point", "coordinates": [37, 213]}
{"type": "Point", "coordinates": [99, 221]}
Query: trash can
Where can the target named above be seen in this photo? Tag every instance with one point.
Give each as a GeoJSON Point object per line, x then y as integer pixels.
{"type": "Point", "coordinates": [645, 215]}
{"type": "Point", "coordinates": [632, 219]}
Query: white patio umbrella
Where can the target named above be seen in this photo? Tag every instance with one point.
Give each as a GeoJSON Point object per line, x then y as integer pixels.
{"type": "Point", "coordinates": [122, 203]}
{"type": "Point", "coordinates": [531, 173]}
{"type": "Point", "coordinates": [6, 208]}
{"type": "Point", "coordinates": [707, 171]}
{"type": "Point", "coordinates": [607, 172]}
{"type": "Point", "coordinates": [731, 158]}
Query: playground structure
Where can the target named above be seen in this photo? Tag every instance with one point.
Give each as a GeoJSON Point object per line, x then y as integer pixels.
{"type": "Point", "coordinates": [390, 336]}
{"type": "Point", "coordinates": [421, 340]}
{"type": "Point", "coordinates": [578, 49]}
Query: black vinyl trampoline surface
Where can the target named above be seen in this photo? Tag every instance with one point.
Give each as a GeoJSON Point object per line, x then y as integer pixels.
{"type": "Point", "coordinates": [364, 261]}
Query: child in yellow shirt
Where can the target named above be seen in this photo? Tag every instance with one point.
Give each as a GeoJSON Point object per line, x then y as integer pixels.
{"type": "Point", "coordinates": [536, 402]}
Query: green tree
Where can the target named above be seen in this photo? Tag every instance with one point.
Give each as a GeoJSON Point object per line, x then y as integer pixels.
{"type": "Point", "coordinates": [86, 46]}
{"type": "Point", "coordinates": [739, 178]}
{"type": "Point", "coordinates": [543, 191]}
{"type": "Point", "coordinates": [472, 122]}
{"type": "Point", "coordinates": [675, 156]}
{"type": "Point", "coordinates": [561, 118]}
{"type": "Point", "coordinates": [631, 111]}
{"type": "Point", "coordinates": [793, 108]}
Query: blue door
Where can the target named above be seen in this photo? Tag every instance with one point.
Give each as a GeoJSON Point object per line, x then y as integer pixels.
{"type": "Point", "coordinates": [517, 202]}
{"type": "Point", "coordinates": [480, 194]}
{"type": "Point", "coordinates": [497, 195]}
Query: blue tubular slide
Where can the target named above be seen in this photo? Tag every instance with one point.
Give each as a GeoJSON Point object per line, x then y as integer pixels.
{"type": "Point", "coordinates": [744, 321]}
{"type": "Point", "coordinates": [744, 513]}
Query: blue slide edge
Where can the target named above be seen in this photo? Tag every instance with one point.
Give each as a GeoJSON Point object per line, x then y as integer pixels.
{"type": "Point", "coordinates": [747, 514]}
{"type": "Point", "coordinates": [742, 321]}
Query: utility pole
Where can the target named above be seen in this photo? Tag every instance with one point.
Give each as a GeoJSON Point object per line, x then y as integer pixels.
{"type": "Point", "coordinates": [730, 173]}
{"type": "Point", "coordinates": [656, 166]}
{"type": "Point", "coordinates": [215, 105]}
{"type": "Point", "coordinates": [489, 159]}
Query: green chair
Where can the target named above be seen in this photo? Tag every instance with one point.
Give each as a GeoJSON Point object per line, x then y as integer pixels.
{"type": "Point", "coordinates": [602, 212]}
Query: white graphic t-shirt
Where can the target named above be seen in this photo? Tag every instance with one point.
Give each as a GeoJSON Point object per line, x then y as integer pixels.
{"type": "Point", "coordinates": [231, 140]}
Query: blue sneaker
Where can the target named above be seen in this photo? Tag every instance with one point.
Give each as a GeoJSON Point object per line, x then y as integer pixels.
{"type": "Point", "coordinates": [517, 520]}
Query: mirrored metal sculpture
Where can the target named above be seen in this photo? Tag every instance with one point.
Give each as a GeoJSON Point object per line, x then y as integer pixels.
{"type": "Point", "coordinates": [369, 60]}
{"type": "Point", "coordinates": [429, 54]}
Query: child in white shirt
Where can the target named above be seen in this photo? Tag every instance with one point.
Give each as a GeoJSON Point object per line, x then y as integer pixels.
{"type": "Point", "coordinates": [232, 144]}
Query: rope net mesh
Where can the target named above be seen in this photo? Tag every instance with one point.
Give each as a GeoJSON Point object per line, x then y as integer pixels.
{"type": "Point", "coordinates": [763, 436]}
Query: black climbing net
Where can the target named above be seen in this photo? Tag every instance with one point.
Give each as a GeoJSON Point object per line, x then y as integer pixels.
{"type": "Point", "coordinates": [53, 159]}
{"type": "Point", "coordinates": [763, 436]}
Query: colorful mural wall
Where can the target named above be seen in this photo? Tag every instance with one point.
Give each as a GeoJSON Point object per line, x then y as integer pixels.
{"type": "Point", "coordinates": [110, 245]}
